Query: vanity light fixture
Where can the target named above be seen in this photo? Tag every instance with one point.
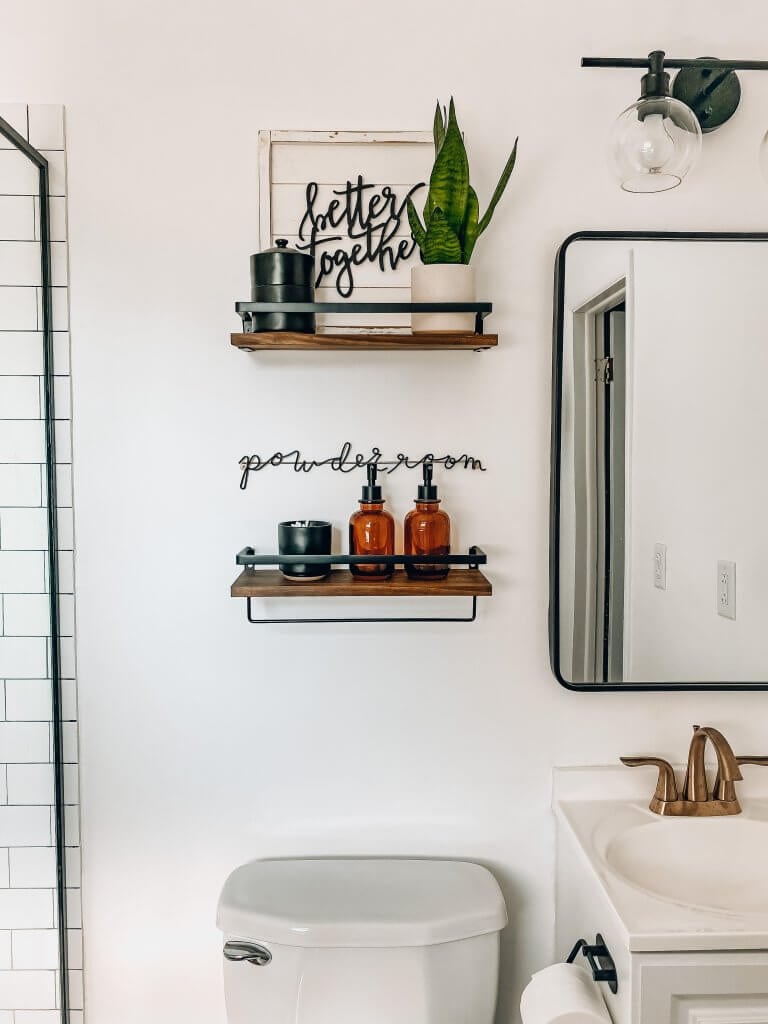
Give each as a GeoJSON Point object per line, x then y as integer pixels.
{"type": "Point", "coordinates": [657, 140]}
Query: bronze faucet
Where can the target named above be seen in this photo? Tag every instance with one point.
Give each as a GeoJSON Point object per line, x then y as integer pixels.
{"type": "Point", "coordinates": [697, 799]}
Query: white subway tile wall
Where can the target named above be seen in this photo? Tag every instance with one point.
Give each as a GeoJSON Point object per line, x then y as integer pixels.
{"type": "Point", "coordinates": [28, 936]}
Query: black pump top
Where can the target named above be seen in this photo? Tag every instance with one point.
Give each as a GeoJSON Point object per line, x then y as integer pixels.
{"type": "Point", "coordinates": [371, 493]}
{"type": "Point", "coordinates": [427, 490]}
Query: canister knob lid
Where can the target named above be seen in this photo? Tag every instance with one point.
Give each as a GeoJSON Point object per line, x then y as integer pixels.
{"type": "Point", "coordinates": [282, 264]}
{"type": "Point", "coordinates": [282, 248]}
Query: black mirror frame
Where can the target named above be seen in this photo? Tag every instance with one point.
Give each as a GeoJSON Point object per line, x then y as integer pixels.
{"type": "Point", "coordinates": [555, 459]}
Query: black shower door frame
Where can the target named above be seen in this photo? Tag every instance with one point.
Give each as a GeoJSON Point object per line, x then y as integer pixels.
{"type": "Point", "coordinates": [40, 162]}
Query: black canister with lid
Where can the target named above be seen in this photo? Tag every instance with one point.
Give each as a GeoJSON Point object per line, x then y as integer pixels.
{"type": "Point", "coordinates": [282, 274]}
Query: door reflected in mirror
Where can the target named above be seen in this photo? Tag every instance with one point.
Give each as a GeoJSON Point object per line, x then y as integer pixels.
{"type": "Point", "coordinates": [659, 546]}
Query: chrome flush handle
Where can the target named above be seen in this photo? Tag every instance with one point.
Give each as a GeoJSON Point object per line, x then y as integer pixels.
{"type": "Point", "coordinates": [254, 954]}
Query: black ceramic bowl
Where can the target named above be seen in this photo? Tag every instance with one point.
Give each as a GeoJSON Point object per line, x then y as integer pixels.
{"type": "Point", "coordinates": [304, 537]}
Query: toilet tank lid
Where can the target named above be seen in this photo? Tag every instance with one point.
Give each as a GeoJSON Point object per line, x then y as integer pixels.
{"type": "Point", "coordinates": [360, 902]}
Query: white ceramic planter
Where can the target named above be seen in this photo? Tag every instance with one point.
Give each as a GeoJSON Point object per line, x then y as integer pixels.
{"type": "Point", "coordinates": [442, 282]}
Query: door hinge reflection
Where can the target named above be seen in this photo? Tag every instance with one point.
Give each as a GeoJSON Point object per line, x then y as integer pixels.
{"type": "Point", "coordinates": [604, 370]}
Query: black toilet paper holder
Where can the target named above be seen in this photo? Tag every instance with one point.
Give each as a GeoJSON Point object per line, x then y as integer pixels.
{"type": "Point", "coordinates": [599, 959]}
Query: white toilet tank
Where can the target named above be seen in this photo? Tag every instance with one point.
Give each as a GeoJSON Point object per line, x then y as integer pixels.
{"type": "Point", "coordinates": [361, 942]}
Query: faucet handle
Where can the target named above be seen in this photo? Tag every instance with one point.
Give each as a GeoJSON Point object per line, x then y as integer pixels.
{"type": "Point", "coordinates": [666, 786]}
{"type": "Point", "coordinates": [725, 790]}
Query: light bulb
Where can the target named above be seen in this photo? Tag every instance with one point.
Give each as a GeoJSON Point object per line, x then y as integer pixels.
{"type": "Point", "coordinates": [655, 143]}
{"type": "Point", "coordinates": [656, 147]}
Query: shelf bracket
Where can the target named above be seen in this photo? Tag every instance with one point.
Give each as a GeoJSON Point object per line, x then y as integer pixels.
{"type": "Point", "coordinates": [276, 622]}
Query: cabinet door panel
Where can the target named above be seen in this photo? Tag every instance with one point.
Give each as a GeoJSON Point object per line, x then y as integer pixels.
{"type": "Point", "coordinates": [701, 988]}
{"type": "Point", "coordinates": [728, 1010]}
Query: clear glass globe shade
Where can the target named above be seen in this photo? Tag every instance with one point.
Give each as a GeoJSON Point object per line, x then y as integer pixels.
{"type": "Point", "coordinates": [654, 144]}
{"type": "Point", "coordinates": [762, 156]}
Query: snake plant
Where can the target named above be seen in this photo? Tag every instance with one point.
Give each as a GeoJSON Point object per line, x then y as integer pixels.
{"type": "Point", "coordinates": [452, 222]}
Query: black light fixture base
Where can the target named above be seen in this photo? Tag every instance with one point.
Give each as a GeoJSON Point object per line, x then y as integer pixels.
{"type": "Point", "coordinates": [655, 83]}
{"type": "Point", "coordinates": [712, 92]}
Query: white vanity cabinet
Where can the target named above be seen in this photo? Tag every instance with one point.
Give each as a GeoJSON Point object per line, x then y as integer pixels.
{"type": "Point", "coordinates": [699, 988]}
{"type": "Point", "coordinates": [663, 986]}
{"type": "Point", "coordinates": [676, 962]}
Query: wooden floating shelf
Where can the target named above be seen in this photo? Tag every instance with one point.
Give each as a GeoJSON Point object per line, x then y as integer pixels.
{"type": "Point", "coordinates": [287, 341]}
{"type": "Point", "coordinates": [341, 583]}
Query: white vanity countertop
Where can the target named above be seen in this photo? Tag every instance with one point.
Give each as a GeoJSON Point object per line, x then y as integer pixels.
{"type": "Point", "coordinates": [653, 923]}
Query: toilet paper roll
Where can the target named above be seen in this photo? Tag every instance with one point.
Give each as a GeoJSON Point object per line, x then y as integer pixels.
{"type": "Point", "coordinates": [563, 994]}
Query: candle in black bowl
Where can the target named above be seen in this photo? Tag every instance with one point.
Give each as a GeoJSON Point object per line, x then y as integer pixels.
{"type": "Point", "coordinates": [304, 537]}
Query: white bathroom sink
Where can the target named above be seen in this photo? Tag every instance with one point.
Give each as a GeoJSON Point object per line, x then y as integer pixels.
{"type": "Point", "coordinates": [666, 883]}
{"type": "Point", "coordinates": [710, 863]}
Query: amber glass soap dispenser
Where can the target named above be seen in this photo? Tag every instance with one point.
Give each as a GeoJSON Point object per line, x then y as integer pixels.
{"type": "Point", "coordinates": [371, 531]}
{"type": "Point", "coordinates": [427, 531]}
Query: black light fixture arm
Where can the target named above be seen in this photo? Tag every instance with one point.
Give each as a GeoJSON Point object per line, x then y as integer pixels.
{"type": "Point", "coordinates": [674, 62]}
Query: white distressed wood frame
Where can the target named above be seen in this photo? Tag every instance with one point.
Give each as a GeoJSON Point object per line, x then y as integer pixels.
{"type": "Point", "coordinates": [274, 150]}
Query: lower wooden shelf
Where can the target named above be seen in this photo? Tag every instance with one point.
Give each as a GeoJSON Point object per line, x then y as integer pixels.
{"type": "Point", "coordinates": [341, 583]}
{"type": "Point", "coordinates": [286, 341]}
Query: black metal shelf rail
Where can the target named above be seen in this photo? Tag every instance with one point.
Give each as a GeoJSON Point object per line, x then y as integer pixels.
{"type": "Point", "coordinates": [480, 309]}
{"type": "Point", "coordinates": [39, 161]}
{"type": "Point", "coordinates": [474, 558]}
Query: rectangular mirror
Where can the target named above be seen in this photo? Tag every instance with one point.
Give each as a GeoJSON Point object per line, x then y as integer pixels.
{"type": "Point", "coordinates": [659, 539]}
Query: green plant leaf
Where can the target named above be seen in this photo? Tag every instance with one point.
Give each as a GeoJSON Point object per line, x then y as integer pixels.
{"type": "Point", "coordinates": [449, 182]}
{"type": "Point", "coordinates": [428, 208]}
{"type": "Point", "coordinates": [471, 229]}
{"type": "Point", "coordinates": [438, 134]}
{"type": "Point", "coordinates": [499, 190]}
{"type": "Point", "coordinates": [438, 127]}
{"type": "Point", "coordinates": [417, 228]}
{"type": "Point", "coordinates": [441, 244]}
{"type": "Point", "coordinates": [439, 124]}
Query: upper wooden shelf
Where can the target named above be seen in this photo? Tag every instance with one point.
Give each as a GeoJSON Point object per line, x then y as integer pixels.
{"type": "Point", "coordinates": [370, 340]}
{"type": "Point", "coordinates": [341, 583]}
{"type": "Point", "coordinates": [287, 341]}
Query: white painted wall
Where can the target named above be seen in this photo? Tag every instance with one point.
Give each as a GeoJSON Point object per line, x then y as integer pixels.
{"type": "Point", "coordinates": [204, 740]}
{"type": "Point", "coordinates": [699, 357]}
